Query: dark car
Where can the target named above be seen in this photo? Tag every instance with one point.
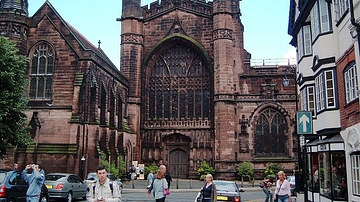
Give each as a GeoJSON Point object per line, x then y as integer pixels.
{"type": "Point", "coordinates": [13, 187]}
{"type": "Point", "coordinates": [291, 180]}
{"type": "Point", "coordinates": [92, 177]}
{"type": "Point", "coordinates": [227, 191]}
{"type": "Point", "coordinates": [65, 186]}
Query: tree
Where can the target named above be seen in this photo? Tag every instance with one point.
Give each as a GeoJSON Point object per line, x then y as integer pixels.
{"type": "Point", "coordinates": [13, 121]}
{"type": "Point", "coordinates": [205, 169]}
{"type": "Point", "coordinates": [246, 169]}
{"type": "Point", "coordinates": [117, 171]}
{"type": "Point", "coordinates": [272, 169]}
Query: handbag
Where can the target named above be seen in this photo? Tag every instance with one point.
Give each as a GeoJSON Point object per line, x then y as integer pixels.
{"type": "Point", "coordinates": [200, 197]}
{"type": "Point", "coordinates": [165, 191]}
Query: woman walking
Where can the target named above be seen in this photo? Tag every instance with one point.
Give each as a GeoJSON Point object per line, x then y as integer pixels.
{"type": "Point", "coordinates": [159, 184]}
{"type": "Point", "coordinates": [282, 191]}
{"type": "Point", "coordinates": [209, 190]}
{"type": "Point", "coordinates": [266, 189]}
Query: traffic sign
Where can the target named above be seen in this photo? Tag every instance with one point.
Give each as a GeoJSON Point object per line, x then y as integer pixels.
{"type": "Point", "coordinates": [304, 122]}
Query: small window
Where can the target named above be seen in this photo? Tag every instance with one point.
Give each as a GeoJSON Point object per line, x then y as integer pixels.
{"type": "Point", "coordinates": [351, 82]}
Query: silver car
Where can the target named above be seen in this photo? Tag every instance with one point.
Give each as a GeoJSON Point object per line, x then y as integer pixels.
{"type": "Point", "coordinates": [65, 186]}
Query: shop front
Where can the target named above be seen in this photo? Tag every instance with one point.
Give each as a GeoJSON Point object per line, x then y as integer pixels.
{"type": "Point", "coordinates": [326, 169]}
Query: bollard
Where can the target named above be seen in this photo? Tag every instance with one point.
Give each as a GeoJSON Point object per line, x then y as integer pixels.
{"type": "Point", "coordinates": [133, 184]}
{"type": "Point", "coordinates": [177, 183]}
{"type": "Point", "coordinates": [190, 183]}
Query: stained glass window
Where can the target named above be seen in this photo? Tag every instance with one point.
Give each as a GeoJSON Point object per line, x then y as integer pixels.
{"type": "Point", "coordinates": [181, 82]}
{"type": "Point", "coordinates": [41, 73]}
{"type": "Point", "coordinates": [270, 135]}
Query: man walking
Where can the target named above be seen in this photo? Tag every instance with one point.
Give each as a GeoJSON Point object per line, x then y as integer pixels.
{"type": "Point", "coordinates": [35, 181]}
{"type": "Point", "coordinates": [104, 190]}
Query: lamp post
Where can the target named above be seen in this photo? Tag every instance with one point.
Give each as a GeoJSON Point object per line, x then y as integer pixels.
{"type": "Point", "coordinates": [300, 172]}
{"type": "Point", "coordinates": [86, 100]}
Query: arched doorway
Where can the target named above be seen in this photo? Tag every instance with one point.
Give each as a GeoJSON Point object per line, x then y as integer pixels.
{"type": "Point", "coordinates": [178, 163]}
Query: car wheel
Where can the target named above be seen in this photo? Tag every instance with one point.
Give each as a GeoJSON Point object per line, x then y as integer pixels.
{"type": "Point", "coordinates": [69, 197]}
{"type": "Point", "coordinates": [43, 199]}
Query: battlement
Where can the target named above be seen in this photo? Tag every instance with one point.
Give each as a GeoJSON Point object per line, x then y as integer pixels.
{"type": "Point", "coordinates": [200, 7]}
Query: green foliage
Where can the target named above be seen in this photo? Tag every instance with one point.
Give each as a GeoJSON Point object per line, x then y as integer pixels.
{"type": "Point", "coordinates": [272, 169]}
{"type": "Point", "coordinates": [246, 169]}
{"type": "Point", "coordinates": [13, 121]}
{"type": "Point", "coordinates": [117, 171]}
{"type": "Point", "coordinates": [205, 169]}
{"type": "Point", "coordinates": [152, 167]}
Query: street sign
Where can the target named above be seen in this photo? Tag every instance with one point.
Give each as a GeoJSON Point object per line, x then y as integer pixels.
{"type": "Point", "coordinates": [304, 122]}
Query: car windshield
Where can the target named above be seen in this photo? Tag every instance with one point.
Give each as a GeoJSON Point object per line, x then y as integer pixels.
{"type": "Point", "coordinates": [2, 177]}
{"type": "Point", "coordinates": [54, 177]}
{"type": "Point", "coordinates": [291, 179]}
{"type": "Point", "coordinates": [226, 186]}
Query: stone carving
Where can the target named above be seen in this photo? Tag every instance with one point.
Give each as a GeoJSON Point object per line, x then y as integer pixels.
{"type": "Point", "coordinates": [222, 34]}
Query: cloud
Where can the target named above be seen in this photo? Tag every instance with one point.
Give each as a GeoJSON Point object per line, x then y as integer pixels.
{"type": "Point", "coordinates": [291, 55]}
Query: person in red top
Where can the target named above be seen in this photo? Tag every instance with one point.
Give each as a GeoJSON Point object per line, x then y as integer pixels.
{"type": "Point", "coordinates": [266, 189]}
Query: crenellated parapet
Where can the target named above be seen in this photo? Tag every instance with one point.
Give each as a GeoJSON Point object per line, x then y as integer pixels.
{"type": "Point", "coordinates": [158, 8]}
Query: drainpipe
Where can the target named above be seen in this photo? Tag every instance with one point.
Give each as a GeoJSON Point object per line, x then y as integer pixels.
{"type": "Point", "coordinates": [353, 22]}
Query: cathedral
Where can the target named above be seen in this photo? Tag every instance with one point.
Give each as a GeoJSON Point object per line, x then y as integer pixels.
{"type": "Point", "coordinates": [186, 92]}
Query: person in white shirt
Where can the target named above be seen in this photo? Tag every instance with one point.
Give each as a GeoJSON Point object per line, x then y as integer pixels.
{"type": "Point", "coordinates": [282, 191]}
{"type": "Point", "coordinates": [104, 190]}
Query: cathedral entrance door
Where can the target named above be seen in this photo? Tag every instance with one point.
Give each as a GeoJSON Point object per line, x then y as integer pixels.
{"type": "Point", "coordinates": [178, 163]}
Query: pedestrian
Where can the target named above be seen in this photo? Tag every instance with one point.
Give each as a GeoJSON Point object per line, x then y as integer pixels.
{"type": "Point", "coordinates": [267, 183]}
{"type": "Point", "coordinates": [208, 191]}
{"type": "Point", "coordinates": [103, 190]}
{"type": "Point", "coordinates": [35, 181]}
{"type": "Point", "coordinates": [158, 185]}
{"type": "Point", "coordinates": [168, 178]}
{"type": "Point", "coordinates": [40, 169]}
{"type": "Point", "coordinates": [282, 190]}
{"type": "Point", "coordinates": [150, 177]}
{"type": "Point", "coordinates": [15, 166]}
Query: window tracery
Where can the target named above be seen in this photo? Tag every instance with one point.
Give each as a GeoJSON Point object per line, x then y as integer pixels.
{"type": "Point", "coordinates": [179, 85]}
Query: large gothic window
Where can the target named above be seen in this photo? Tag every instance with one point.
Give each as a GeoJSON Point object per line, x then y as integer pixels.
{"type": "Point", "coordinates": [41, 72]}
{"type": "Point", "coordinates": [270, 135]}
{"type": "Point", "coordinates": [179, 86]}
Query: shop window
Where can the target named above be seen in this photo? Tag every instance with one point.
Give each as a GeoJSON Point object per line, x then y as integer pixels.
{"type": "Point", "coordinates": [313, 172]}
{"type": "Point", "coordinates": [332, 175]}
{"type": "Point", "coordinates": [355, 173]}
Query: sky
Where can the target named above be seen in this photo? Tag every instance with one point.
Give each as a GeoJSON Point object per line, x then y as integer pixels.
{"type": "Point", "coordinates": [265, 26]}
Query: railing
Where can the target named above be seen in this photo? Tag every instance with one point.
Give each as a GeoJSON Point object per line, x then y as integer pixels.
{"type": "Point", "coordinates": [275, 62]}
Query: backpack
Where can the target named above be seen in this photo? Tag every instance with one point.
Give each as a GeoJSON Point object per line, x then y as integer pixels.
{"type": "Point", "coordinates": [110, 185]}
{"type": "Point", "coordinates": [261, 184]}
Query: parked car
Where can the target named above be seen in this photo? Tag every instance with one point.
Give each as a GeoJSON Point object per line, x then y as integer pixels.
{"type": "Point", "coordinates": [291, 180]}
{"type": "Point", "coordinates": [13, 187]}
{"type": "Point", "coordinates": [65, 186]}
{"type": "Point", "coordinates": [92, 177]}
{"type": "Point", "coordinates": [226, 191]}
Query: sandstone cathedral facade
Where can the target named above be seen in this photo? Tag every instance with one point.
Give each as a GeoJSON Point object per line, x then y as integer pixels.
{"type": "Point", "coordinates": [186, 91]}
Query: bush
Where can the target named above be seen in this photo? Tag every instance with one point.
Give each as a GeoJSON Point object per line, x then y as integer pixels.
{"type": "Point", "coordinates": [205, 169]}
{"type": "Point", "coordinates": [272, 169]}
{"type": "Point", "coordinates": [152, 167]}
{"type": "Point", "coordinates": [246, 169]}
{"type": "Point", "coordinates": [117, 171]}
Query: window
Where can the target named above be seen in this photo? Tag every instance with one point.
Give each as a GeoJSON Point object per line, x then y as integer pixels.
{"type": "Point", "coordinates": [304, 41]}
{"type": "Point", "coordinates": [355, 173]}
{"type": "Point", "coordinates": [341, 6]}
{"type": "Point", "coordinates": [332, 174]}
{"type": "Point", "coordinates": [41, 72]}
{"type": "Point", "coordinates": [313, 172]}
{"type": "Point", "coordinates": [320, 18]}
{"type": "Point", "coordinates": [179, 86]}
{"type": "Point", "coordinates": [351, 82]}
{"type": "Point", "coordinates": [325, 90]}
{"type": "Point", "coordinates": [308, 99]}
{"type": "Point", "coordinates": [270, 134]}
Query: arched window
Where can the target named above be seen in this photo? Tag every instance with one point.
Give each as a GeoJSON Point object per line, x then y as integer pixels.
{"type": "Point", "coordinates": [41, 72]}
{"type": "Point", "coordinates": [270, 135]}
{"type": "Point", "coordinates": [179, 86]}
